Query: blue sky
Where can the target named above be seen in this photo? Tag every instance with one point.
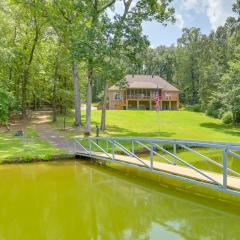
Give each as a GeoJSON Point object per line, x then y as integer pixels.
{"type": "Point", "coordinates": [205, 14]}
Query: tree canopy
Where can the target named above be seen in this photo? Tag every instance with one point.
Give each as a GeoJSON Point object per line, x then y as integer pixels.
{"type": "Point", "coordinates": [62, 53]}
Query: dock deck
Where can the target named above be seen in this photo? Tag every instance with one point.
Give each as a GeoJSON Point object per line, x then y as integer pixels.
{"type": "Point", "coordinates": [233, 182]}
{"type": "Point", "coordinates": [122, 150]}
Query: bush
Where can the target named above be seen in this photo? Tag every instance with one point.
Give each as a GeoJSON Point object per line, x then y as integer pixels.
{"type": "Point", "coordinates": [215, 108]}
{"type": "Point", "coordinates": [227, 118]}
{"type": "Point", "coordinates": [194, 108]}
{"type": "Point", "coordinates": [6, 102]}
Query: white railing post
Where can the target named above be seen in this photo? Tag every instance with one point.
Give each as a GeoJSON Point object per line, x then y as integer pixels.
{"type": "Point", "coordinates": [151, 156]}
{"type": "Point", "coordinates": [225, 168]}
{"type": "Point", "coordinates": [133, 147]}
{"type": "Point", "coordinates": [90, 146]}
{"type": "Point", "coordinates": [113, 150]}
{"type": "Point", "coordinates": [174, 152]}
{"type": "Point", "coordinates": [75, 146]}
{"type": "Point", "coordinates": [107, 145]}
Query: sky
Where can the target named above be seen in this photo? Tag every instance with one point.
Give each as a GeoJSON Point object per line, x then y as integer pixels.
{"type": "Point", "coordinates": [204, 14]}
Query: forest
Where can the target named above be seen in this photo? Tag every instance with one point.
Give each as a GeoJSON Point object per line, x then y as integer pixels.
{"type": "Point", "coordinates": [60, 54]}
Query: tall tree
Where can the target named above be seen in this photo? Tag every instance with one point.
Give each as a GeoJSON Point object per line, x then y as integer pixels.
{"type": "Point", "coordinates": [30, 24]}
{"type": "Point", "coordinates": [135, 12]}
{"type": "Point", "coordinates": [68, 19]}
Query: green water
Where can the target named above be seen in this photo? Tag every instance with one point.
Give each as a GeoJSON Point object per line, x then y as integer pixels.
{"type": "Point", "coordinates": [72, 200]}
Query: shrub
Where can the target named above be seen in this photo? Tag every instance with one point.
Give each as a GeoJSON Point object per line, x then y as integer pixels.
{"type": "Point", "coordinates": [194, 108]}
{"type": "Point", "coordinates": [215, 108]}
{"type": "Point", "coordinates": [236, 106]}
{"type": "Point", "coordinates": [6, 102]}
{"type": "Point", "coordinates": [227, 118]}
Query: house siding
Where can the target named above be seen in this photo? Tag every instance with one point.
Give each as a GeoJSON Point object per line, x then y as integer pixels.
{"type": "Point", "coordinates": [141, 92]}
{"type": "Point", "coordinates": [169, 101]}
{"type": "Point", "coordinates": [113, 103]}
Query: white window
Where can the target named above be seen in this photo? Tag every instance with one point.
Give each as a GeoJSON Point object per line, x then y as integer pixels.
{"type": "Point", "coordinates": [117, 96]}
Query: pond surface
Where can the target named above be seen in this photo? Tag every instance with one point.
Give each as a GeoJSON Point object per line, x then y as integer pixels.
{"type": "Point", "coordinates": [73, 200]}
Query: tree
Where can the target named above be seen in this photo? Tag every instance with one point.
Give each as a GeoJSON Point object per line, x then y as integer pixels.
{"type": "Point", "coordinates": [230, 85]}
{"type": "Point", "coordinates": [133, 16]}
{"type": "Point", "coordinates": [30, 24]}
{"type": "Point", "coordinates": [6, 103]}
{"type": "Point", "coordinates": [68, 19]}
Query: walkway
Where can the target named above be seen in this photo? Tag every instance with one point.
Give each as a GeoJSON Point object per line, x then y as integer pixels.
{"type": "Point", "coordinates": [233, 182]}
{"type": "Point", "coordinates": [46, 132]}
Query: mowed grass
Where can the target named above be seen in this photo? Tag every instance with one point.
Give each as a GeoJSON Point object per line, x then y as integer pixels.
{"type": "Point", "coordinates": [165, 124]}
{"type": "Point", "coordinates": [26, 147]}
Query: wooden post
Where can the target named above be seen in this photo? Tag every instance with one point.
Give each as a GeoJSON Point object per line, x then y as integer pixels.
{"type": "Point", "coordinates": [161, 105]}
{"type": "Point", "coordinates": [126, 104]}
{"type": "Point", "coordinates": [150, 104]}
{"type": "Point", "coordinates": [170, 105]}
{"type": "Point", "coordinates": [177, 104]}
{"type": "Point", "coordinates": [137, 104]}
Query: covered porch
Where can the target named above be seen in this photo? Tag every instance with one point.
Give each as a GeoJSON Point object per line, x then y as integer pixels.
{"type": "Point", "coordinates": [149, 104]}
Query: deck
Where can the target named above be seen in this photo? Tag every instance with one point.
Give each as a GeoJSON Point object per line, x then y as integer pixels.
{"type": "Point", "coordinates": [113, 149]}
{"type": "Point", "coordinates": [233, 182]}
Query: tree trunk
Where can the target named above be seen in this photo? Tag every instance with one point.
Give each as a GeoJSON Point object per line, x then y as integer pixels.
{"type": "Point", "coordinates": [27, 68]}
{"type": "Point", "coordinates": [77, 99]}
{"type": "Point", "coordinates": [24, 92]}
{"type": "Point", "coordinates": [104, 107]}
{"type": "Point", "coordinates": [89, 102]}
{"type": "Point", "coordinates": [54, 101]}
{"type": "Point", "coordinates": [34, 101]}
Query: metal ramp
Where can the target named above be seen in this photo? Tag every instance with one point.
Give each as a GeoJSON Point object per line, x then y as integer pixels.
{"type": "Point", "coordinates": [123, 151]}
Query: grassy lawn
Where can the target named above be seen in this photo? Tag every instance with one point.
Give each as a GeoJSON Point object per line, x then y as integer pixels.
{"type": "Point", "coordinates": [166, 124]}
{"type": "Point", "coordinates": [27, 147]}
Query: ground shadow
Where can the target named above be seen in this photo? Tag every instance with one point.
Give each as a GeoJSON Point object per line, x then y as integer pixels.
{"type": "Point", "coordinates": [222, 128]}
{"type": "Point", "coordinates": [114, 130]}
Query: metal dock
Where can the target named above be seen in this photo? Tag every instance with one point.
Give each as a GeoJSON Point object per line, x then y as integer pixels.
{"type": "Point", "coordinates": [123, 151]}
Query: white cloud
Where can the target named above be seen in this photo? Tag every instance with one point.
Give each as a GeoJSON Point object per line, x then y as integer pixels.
{"type": "Point", "coordinates": [217, 11]}
{"type": "Point", "coordinates": [179, 20]}
{"type": "Point", "coordinates": [196, 5]}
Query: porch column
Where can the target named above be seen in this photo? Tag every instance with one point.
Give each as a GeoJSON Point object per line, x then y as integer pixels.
{"type": "Point", "coordinates": [177, 105]}
{"type": "Point", "coordinates": [160, 104]}
{"type": "Point", "coordinates": [150, 104]}
{"type": "Point", "coordinates": [126, 104]}
{"type": "Point", "coordinates": [170, 105]}
{"type": "Point", "coordinates": [137, 104]}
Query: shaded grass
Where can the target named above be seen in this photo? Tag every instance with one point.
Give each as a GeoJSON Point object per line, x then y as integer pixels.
{"type": "Point", "coordinates": [26, 147]}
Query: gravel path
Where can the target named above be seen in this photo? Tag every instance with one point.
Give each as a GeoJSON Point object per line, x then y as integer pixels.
{"type": "Point", "coordinates": [46, 132]}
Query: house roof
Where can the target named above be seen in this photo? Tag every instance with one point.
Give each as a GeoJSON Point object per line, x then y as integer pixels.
{"type": "Point", "coordinates": [147, 82]}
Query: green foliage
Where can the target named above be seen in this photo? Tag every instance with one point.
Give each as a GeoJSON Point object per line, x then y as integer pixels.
{"type": "Point", "coordinates": [231, 85]}
{"type": "Point", "coordinates": [194, 108]}
{"type": "Point", "coordinates": [236, 106]}
{"type": "Point", "coordinates": [227, 118]}
{"type": "Point", "coordinates": [40, 40]}
{"type": "Point", "coordinates": [215, 107]}
{"type": "Point", "coordinates": [201, 66]}
{"type": "Point", "coordinates": [6, 103]}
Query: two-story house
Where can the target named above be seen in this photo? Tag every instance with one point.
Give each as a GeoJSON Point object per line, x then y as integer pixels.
{"type": "Point", "coordinates": [140, 93]}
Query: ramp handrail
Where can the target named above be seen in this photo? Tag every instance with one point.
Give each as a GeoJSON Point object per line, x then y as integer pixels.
{"type": "Point", "coordinates": [152, 144]}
